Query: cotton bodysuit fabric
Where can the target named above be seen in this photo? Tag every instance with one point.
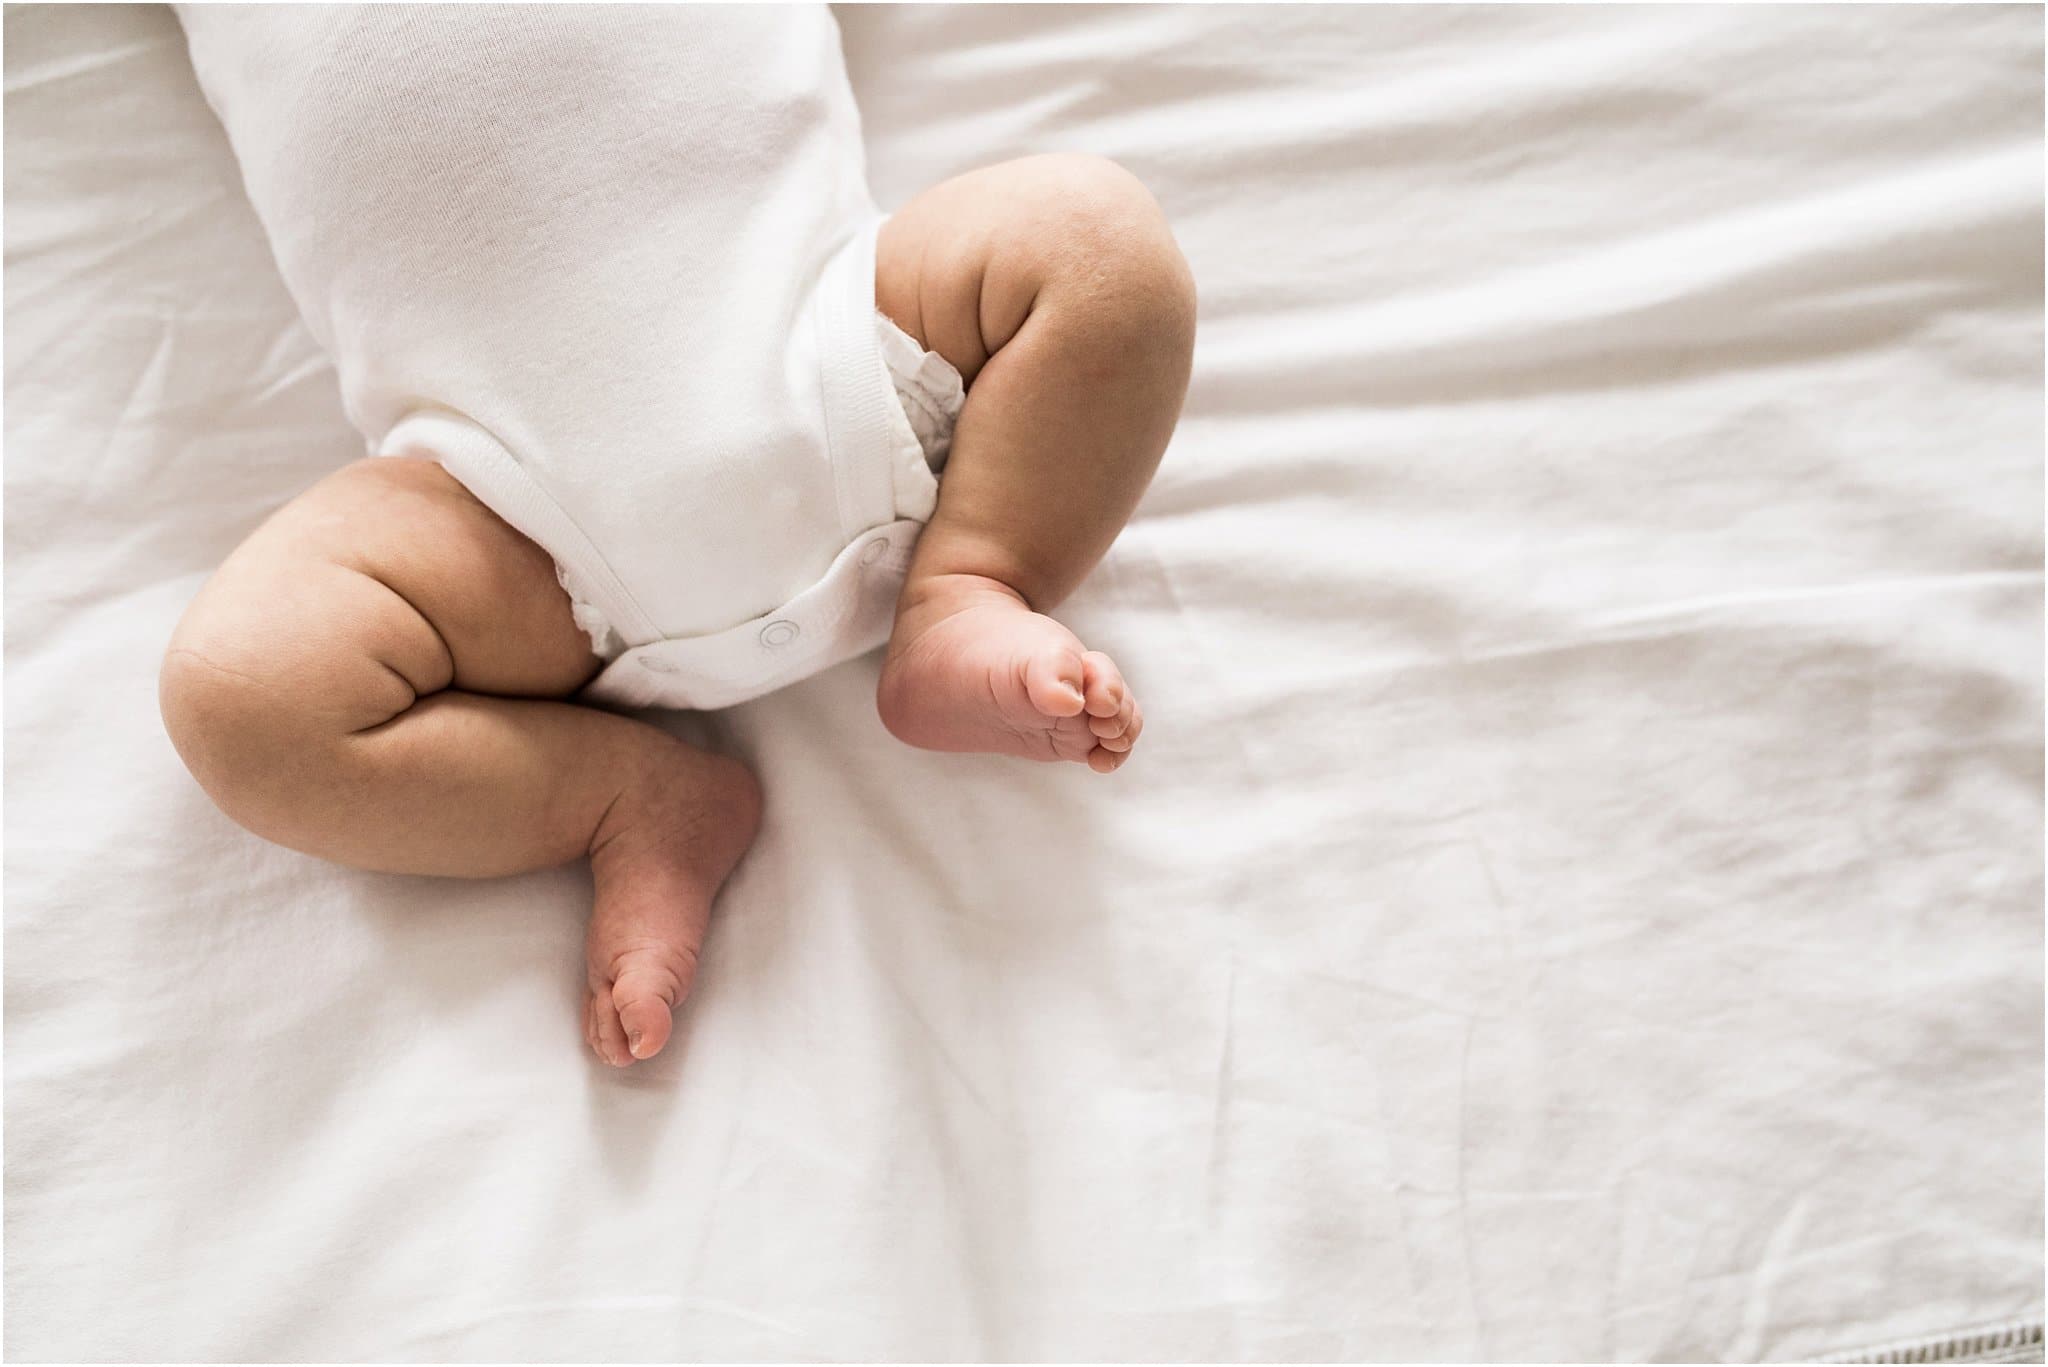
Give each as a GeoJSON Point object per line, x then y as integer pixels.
{"type": "Point", "coordinates": [613, 267]}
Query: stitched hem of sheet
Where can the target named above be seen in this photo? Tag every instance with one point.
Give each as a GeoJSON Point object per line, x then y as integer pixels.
{"type": "Point", "coordinates": [2017, 1341]}
{"type": "Point", "coordinates": [929, 395]}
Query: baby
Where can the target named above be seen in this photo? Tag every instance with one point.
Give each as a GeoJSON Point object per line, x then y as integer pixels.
{"type": "Point", "coordinates": [654, 399]}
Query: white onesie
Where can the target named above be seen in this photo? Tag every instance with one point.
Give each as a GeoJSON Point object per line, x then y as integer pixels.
{"type": "Point", "coordinates": [612, 266]}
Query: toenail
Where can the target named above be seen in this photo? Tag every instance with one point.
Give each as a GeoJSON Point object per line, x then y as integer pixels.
{"type": "Point", "coordinates": [776, 635]}
{"type": "Point", "coordinates": [874, 550]}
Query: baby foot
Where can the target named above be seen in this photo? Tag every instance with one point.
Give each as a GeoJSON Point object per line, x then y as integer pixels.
{"type": "Point", "coordinates": [971, 668]}
{"type": "Point", "coordinates": [658, 859]}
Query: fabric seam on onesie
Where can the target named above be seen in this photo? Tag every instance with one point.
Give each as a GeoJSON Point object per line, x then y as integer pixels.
{"type": "Point", "coordinates": [856, 424]}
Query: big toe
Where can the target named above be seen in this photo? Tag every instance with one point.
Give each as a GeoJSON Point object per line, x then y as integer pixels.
{"type": "Point", "coordinates": [1103, 687]}
{"type": "Point", "coordinates": [1053, 680]}
{"type": "Point", "coordinates": [647, 988]}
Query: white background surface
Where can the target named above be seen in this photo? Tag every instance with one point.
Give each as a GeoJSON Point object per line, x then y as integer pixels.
{"type": "Point", "coordinates": [1579, 896]}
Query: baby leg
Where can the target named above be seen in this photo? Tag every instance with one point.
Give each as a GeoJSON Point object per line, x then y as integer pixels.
{"type": "Point", "coordinates": [1054, 286]}
{"type": "Point", "coordinates": [372, 677]}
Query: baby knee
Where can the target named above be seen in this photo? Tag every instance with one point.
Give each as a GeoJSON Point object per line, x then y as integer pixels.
{"type": "Point", "coordinates": [258, 691]}
{"type": "Point", "coordinates": [1110, 242]}
{"type": "Point", "coordinates": [230, 724]}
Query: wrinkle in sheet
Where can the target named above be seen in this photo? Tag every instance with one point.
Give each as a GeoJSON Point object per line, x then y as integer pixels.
{"type": "Point", "coordinates": [1422, 116]}
{"type": "Point", "coordinates": [437, 1337]}
{"type": "Point", "coordinates": [1741, 278]}
{"type": "Point", "coordinates": [29, 77]}
{"type": "Point", "coordinates": [1220, 1086]}
{"type": "Point", "coordinates": [72, 274]}
{"type": "Point", "coordinates": [935, 1046]}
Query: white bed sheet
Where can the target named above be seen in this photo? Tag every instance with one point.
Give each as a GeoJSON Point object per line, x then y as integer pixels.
{"type": "Point", "coordinates": [1579, 898]}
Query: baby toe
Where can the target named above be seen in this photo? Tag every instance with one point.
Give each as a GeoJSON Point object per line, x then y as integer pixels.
{"type": "Point", "coordinates": [1053, 681]}
{"type": "Point", "coordinates": [1104, 685]}
{"type": "Point", "coordinates": [1104, 761]}
{"type": "Point", "coordinates": [606, 1035]}
{"type": "Point", "coordinates": [641, 997]}
{"type": "Point", "coordinates": [1106, 727]}
{"type": "Point", "coordinates": [647, 1023]}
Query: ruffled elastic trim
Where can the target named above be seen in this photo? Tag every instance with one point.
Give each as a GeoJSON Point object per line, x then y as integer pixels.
{"type": "Point", "coordinates": [605, 643]}
{"type": "Point", "coordinates": [930, 389]}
